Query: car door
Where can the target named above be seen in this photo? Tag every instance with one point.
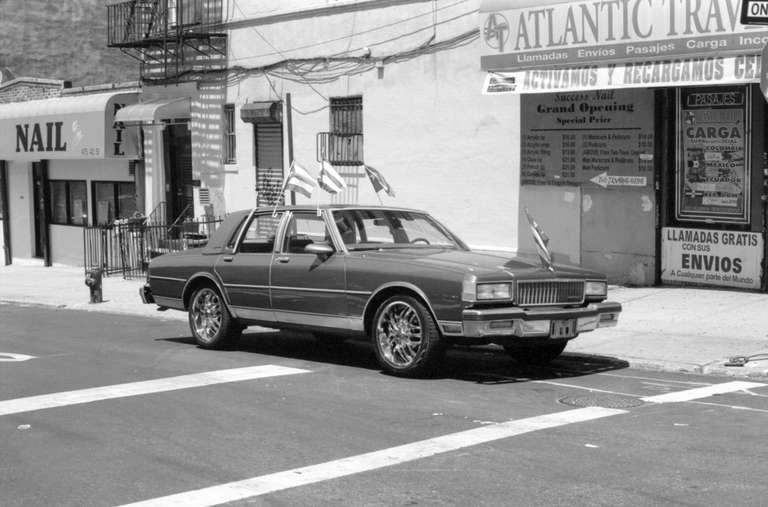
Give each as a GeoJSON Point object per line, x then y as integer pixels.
{"type": "Point", "coordinates": [245, 272]}
{"type": "Point", "coordinates": [307, 288]}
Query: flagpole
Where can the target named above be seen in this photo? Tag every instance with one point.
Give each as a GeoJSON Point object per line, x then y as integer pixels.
{"type": "Point", "coordinates": [289, 122]}
{"type": "Point", "coordinates": [380, 201]}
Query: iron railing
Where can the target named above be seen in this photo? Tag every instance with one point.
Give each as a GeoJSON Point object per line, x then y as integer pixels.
{"type": "Point", "coordinates": [127, 246]}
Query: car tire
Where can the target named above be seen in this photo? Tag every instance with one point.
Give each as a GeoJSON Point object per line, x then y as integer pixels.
{"type": "Point", "coordinates": [535, 354]}
{"type": "Point", "coordinates": [405, 338]}
{"type": "Point", "coordinates": [210, 321]}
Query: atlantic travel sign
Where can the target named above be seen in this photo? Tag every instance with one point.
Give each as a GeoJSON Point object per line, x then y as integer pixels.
{"type": "Point", "coordinates": [617, 43]}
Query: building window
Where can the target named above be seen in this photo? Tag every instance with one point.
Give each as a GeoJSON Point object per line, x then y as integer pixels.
{"type": "Point", "coordinates": [347, 115]}
{"type": "Point", "coordinates": [230, 156]}
{"type": "Point", "coordinates": [113, 200]}
{"type": "Point", "coordinates": [69, 202]}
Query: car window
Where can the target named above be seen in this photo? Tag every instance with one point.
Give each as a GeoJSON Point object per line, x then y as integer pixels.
{"type": "Point", "coordinates": [304, 229]}
{"type": "Point", "coordinates": [361, 229]}
{"type": "Point", "coordinates": [260, 234]}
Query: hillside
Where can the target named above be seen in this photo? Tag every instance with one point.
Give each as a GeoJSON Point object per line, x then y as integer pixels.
{"type": "Point", "coordinates": [61, 39]}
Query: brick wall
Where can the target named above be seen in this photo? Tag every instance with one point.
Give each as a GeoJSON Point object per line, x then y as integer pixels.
{"type": "Point", "coordinates": [24, 89]}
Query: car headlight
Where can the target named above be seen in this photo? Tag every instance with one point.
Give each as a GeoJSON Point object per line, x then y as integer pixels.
{"type": "Point", "coordinates": [593, 288]}
{"type": "Point", "coordinates": [487, 291]}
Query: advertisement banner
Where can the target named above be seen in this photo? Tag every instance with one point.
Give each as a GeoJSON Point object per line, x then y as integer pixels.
{"type": "Point", "coordinates": [710, 70]}
{"type": "Point", "coordinates": [724, 258]}
{"type": "Point", "coordinates": [712, 176]}
{"type": "Point", "coordinates": [602, 31]}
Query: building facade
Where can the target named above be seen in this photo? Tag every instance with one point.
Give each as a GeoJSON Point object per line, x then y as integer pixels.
{"type": "Point", "coordinates": [642, 133]}
{"type": "Point", "coordinates": [64, 164]}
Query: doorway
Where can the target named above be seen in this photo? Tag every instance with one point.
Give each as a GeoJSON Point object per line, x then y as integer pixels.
{"type": "Point", "coordinates": [179, 194]}
{"type": "Point", "coordinates": [40, 196]}
{"type": "Point", "coordinates": [5, 228]}
{"type": "Point", "coordinates": [269, 163]}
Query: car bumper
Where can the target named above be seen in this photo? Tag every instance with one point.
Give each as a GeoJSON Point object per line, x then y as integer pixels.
{"type": "Point", "coordinates": [480, 323]}
{"type": "Point", "coordinates": [146, 294]}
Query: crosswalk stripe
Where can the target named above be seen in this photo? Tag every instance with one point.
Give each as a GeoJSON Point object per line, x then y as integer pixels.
{"type": "Point", "coordinates": [80, 396]}
{"type": "Point", "coordinates": [303, 476]}
{"type": "Point", "coordinates": [702, 392]}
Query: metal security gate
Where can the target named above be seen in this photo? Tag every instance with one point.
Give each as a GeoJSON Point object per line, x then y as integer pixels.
{"type": "Point", "coordinates": [269, 163]}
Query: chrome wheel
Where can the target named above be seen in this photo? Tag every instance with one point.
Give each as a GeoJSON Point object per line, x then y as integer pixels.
{"type": "Point", "coordinates": [207, 315]}
{"type": "Point", "coordinates": [399, 334]}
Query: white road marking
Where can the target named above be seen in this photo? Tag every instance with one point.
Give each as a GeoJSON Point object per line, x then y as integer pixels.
{"type": "Point", "coordinates": [702, 392]}
{"type": "Point", "coordinates": [208, 378]}
{"type": "Point", "coordinates": [584, 388]}
{"type": "Point", "coordinates": [733, 407]}
{"type": "Point", "coordinates": [7, 357]}
{"type": "Point", "coordinates": [279, 481]}
{"type": "Point", "coordinates": [686, 382]}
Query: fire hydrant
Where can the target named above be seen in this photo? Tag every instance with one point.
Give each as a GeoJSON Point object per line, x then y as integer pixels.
{"type": "Point", "coordinates": [93, 281]}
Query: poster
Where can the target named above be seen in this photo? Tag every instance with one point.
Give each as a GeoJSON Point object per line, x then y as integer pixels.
{"type": "Point", "coordinates": [599, 137]}
{"type": "Point", "coordinates": [707, 257]}
{"type": "Point", "coordinates": [713, 171]}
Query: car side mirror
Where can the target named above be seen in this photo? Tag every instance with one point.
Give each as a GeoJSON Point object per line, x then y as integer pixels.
{"type": "Point", "coordinates": [319, 249]}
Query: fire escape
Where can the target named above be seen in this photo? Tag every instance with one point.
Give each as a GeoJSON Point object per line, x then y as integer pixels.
{"type": "Point", "coordinates": [174, 40]}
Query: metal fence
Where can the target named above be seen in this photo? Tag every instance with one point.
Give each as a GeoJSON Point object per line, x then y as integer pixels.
{"type": "Point", "coordinates": [127, 246]}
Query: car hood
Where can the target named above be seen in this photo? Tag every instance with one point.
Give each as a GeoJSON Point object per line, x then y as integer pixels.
{"type": "Point", "coordinates": [482, 264]}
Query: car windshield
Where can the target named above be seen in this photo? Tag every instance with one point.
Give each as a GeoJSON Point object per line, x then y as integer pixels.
{"type": "Point", "coordinates": [374, 229]}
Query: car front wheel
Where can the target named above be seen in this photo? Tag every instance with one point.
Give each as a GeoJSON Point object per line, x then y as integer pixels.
{"type": "Point", "coordinates": [536, 354]}
{"type": "Point", "coordinates": [405, 337]}
{"type": "Point", "coordinates": [211, 324]}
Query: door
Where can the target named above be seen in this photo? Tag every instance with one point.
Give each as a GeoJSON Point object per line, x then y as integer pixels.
{"type": "Point", "coordinates": [5, 229]}
{"type": "Point", "coordinates": [41, 210]}
{"type": "Point", "coordinates": [178, 172]}
{"type": "Point", "coordinates": [245, 273]}
{"type": "Point", "coordinates": [306, 288]}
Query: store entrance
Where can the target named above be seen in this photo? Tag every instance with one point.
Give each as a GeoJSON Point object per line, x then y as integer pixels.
{"type": "Point", "coordinates": [5, 229]}
{"type": "Point", "coordinates": [40, 190]}
{"type": "Point", "coordinates": [179, 194]}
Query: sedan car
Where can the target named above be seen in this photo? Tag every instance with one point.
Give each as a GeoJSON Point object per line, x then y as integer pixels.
{"type": "Point", "coordinates": [394, 276]}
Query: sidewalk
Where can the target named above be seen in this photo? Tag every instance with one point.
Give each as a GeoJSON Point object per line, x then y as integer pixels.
{"type": "Point", "coordinates": [670, 329]}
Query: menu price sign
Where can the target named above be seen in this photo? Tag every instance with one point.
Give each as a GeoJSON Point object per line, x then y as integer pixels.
{"type": "Point", "coordinates": [574, 138]}
{"type": "Point", "coordinates": [712, 175]}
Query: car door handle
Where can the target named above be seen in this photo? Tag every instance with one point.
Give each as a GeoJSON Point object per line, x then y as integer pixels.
{"type": "Point", "coordinates": [228, 258]}
{"type": "Point", "coordinates": [283, 259]}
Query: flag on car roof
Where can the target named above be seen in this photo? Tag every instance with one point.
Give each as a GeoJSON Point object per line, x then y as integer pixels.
{"type": "Point", "coordinates": [541, 240]}
{"type": "Point", "coordinates": [299, 180]}
{"type": "Point", "coordinates": [330, 180]}
{"type": "Point", "coordinates": [378, 181]}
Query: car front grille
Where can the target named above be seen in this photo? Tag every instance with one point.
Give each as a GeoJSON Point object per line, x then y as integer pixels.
{"type": "Point", "coordinates": [549, 292]}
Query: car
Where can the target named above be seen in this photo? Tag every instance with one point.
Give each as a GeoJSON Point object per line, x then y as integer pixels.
{"type": "Point", "coordinates": [394, 276]}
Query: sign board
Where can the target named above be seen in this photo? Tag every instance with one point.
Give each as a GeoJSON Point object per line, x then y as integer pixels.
{"type": "Point", "coordinates": [707, 257]}
{"type": "Point", "coordinates": [582, 33]}
{"type": "Point", "coordinates": [600, 137]}
{"type": "Point", "coordinates": [754, 12]}
{"type": "Point", "coordinates": [764, 71]}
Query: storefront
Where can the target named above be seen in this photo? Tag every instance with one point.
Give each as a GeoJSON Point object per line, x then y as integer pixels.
{"type": "Point", "coordinates": [65, 165]}
{"type": "Point", "coordinates": [641, 149]}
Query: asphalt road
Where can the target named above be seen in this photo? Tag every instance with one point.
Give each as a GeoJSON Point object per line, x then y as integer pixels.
{"type": "Point", "coordinates": [100, 409]}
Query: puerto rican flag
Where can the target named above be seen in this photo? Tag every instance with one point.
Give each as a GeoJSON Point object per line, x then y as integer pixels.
{"type": "Point", "coordinates": [541, 240]}
{"type": "Point", "coordinates": [330, 180]}
{"type": "Point", "coordinates": [299, 180]}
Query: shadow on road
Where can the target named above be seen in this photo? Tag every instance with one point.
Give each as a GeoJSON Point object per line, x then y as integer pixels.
{"type": "Point", "coordinates": [484, 365]}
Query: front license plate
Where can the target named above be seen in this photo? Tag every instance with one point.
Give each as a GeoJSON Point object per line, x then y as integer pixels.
{"type": "Point", "coordinates": [563, 328]}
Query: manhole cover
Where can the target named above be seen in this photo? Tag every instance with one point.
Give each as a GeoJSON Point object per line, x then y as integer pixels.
{"type": "Point", "coordinates": [601, 400]}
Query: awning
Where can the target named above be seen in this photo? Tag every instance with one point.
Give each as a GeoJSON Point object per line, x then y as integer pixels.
{"type": "Point", "coordinates": [68, 127]}
{"type": "Point", "coordinates": [153, 112]}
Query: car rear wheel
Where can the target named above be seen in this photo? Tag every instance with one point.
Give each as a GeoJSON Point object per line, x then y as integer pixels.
{"type": "Point", "coordinates": [535, 354]}
{"type": "Point", "coordinates": [405, 337]}
{"type": "Point", "coordinates": [211, 323]}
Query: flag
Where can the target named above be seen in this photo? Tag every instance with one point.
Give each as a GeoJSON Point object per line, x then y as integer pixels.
{"type": "Point", "coordinates": [378, 181]}
{"type": "Point", "coordinates": [330, 180]}
{"type": "Point", "coordinates": [299, 180]}
{"type": "Point", "coordinates": [541, 240]}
